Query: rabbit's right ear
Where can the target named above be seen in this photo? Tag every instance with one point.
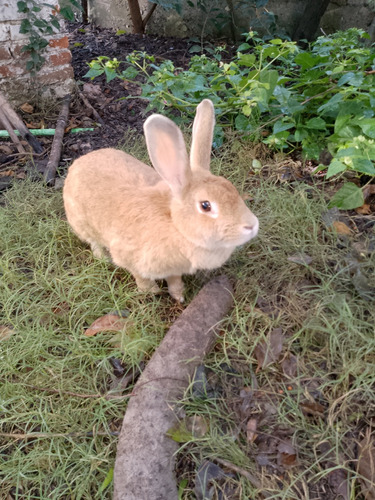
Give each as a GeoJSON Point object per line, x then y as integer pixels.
{"type": "Point", "coordinates": [167, 151]}
{"type": "Point", "coordinates": [203, 131]}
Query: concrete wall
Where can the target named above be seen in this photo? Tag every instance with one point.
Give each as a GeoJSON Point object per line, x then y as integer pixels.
{"type": "Point", "coordinates": [340, 15]}
{"type": "Point", "coordinates": [55, 79]}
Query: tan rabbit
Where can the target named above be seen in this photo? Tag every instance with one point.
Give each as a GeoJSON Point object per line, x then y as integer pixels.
{"type": "Point", "coordinates": [162, 223]}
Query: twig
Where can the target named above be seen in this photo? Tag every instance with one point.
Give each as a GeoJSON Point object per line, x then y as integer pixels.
{"type": "Point", "coordinates": [149, 14]}
{"type": "Point", "coordinates": [4, 120]}
{"type": "Point", "coordinates": [15, 122]}
{"type": "Point", "coordinates": [87, 103]}
{"type": "Point", "coordinates": [54, 158]}
{"type": "Point", "coordinates": [241, 471]}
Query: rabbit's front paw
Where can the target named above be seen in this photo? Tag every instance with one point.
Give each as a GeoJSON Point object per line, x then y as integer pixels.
{"type": "Point", "coordinates": [176, 288]}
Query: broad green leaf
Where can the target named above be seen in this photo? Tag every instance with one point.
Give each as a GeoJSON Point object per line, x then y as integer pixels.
{"type": "Point", "coordinates": [316, 124]}
{"type": "Point", "coordinates": [331, 104]}
{"type": "Point", "coordinates": [354, 79]}
{"type": "Point", "coordinates": [129, 73]}
{"type": "Point", "coordinates": [110, 74]}
{"type": "Point", "coordinates": [368, 126]}
{"type": "Point", "coordinates": [247, 60]}
{"type": "Point", "coordinates": [348, 197]}
{"type": "Point", "coordinates": [243, 46]}
{"type": "Point", "coordinates": [67, 13]}
{"type": "Point", "coordinates": [242, 123]}
{"type": "Point", "coordinates": [335, 167]}
{"type": "Point", "coordinates": [306, 60]}
{"type": "Point", "coordinates": [363, 166]}
{"type": "Point", "coordinates": [93, 73]}
{"type": "Point", "coordinates": [281, 125]}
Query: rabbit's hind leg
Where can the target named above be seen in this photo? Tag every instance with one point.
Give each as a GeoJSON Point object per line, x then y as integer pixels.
{"type": "Point", "coordinates": [146, 285]}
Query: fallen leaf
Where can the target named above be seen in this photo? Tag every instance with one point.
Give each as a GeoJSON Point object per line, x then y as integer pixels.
{"type": "Point", "coordinates": [108, 323]}
{"type": "Point", "coordinates": [268, 351]}
{"type": "Point", "coordinates": [188, 428]}
{"type": "Point", "coordinates": [312, 408]}
{"type": "Point", "coordinates": [6, 332]}
{"type": "Point", "coordinates": [7, 150]}
{"type": "Point", "coordinates": [300, 258]}
{"type": "Point", "coordinates": [341, 228]}
{"type": "Point", "coordinates": [365, 209]}
{"type": "Point", "coordinates": [207, 472]}
{"type": "Point", "coordinates": [27, 108]}
{"type": "Point", "coordinates": [366, 465]}
{"type": "Point", "coordinates": [196, 425]}
{"type": "Point", "coordinates": [287, 456]}
{"type": "Point", "coordinates": [289, 365]}
{"type": "Point", "coordinates": [251, 428]}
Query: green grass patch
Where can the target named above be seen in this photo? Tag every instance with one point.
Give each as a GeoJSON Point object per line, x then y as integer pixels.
{"type": "Point", "coordinates": [59, 431]}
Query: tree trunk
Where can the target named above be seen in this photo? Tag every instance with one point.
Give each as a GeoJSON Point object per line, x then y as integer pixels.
{"type": "Point", "coordinates": [310, 20]}
{"type": "Point", "coordinates": [136, 17]}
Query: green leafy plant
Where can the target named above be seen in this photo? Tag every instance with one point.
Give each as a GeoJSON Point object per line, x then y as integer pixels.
{"type": "Point", "coordinates": [318, 99]}
{"type": "Point", "coordinates": [38, 28]}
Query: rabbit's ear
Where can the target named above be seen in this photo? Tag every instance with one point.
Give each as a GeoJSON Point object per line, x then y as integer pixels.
{"type": "Point", "coordinates": [167, 151]}
{"type": "Point", "coordinates": [203, 130]}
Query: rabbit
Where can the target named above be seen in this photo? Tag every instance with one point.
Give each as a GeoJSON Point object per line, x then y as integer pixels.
{"type": "Point", "coordinates": [161, 222]}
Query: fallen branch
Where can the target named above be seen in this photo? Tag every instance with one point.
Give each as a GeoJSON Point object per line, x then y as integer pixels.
{"type": "Point", "coordinates": [145, 455]}
{"type": "Point", "coordinates": [14, 121]}
{"type": "Point", "coordinates": [6, 123]}
{"type": "Point", "coordinates": [54, 158]}
{"type": "Point", "coordinates": [87, 103]}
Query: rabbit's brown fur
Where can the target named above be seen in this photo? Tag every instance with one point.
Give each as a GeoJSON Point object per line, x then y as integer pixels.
{"type": "Point", "coordinates": [152, 221]}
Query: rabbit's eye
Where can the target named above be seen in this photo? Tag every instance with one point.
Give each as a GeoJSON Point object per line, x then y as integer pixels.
{"type": "Point", "coordinates": [206, 206]}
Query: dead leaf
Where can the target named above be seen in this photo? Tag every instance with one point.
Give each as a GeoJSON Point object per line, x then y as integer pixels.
{"type": "Point", "coordinates": [341, 228]}
{"type": "Point", "coordinates": [251, 428]}
{"type": "Point", "coordinates": [6, 332]}
{"type": "Point", "coordinates": [366, 465]}
{"type": "Point", "coordinates": [27, 108]}
{"type": "Point", "coordinates": [300, 258]}
{"type": "Point", "coordinates": [196, 425]}
{"type": "Point", "coordinates": [108, 323]}
{"type": "Point", "coordinates": [289, 365]}
{"type": "Point", "coordinates": [287, 456]}
{"type": "Point", "coordinates": [312, 408]}
{"type": "Point", "coordinates": [91, 90]}
{"type": "Point", "coordinates": [268, 351]}
{"type": "Point", "coordinates": [7, 150]}
{"type": "Point", "coordinates": [365, 209]}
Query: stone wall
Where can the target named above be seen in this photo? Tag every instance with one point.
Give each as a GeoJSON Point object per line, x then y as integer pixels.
{"type": "Point", "coordinates": [55, 79]}
{"type": "Point", "coordinates": [340, 15]}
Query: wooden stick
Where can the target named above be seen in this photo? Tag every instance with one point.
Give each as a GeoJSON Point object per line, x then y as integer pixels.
{"type": "Point", "coordinates": [4, 120]}
{"type": "Point", "coordinates": [54, 158]}
{"type": "Point", "coordinates": [144, 467]}
{"type": "Point", "coordinates": [17, 123]}
{"type": "Point", "coordinates": [89, 105]}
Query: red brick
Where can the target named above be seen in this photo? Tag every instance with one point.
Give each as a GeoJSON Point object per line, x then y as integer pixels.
{"type": "Point", "coordinates": [4, 54]}
{"type": "Point", "coordinates": [6, 70]}
{"type": "Point", "coordinates": [63, 57]}
{"type": "Point", "coordinates": [62, 43]}
{"type": "Point", "coordinates": [59, 75]}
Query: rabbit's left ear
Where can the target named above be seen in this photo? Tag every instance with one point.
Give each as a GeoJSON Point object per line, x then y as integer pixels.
{"type": "Point", "coordinates": [167, 151]}
{"type": "Point", "coordinates": [203, 131]}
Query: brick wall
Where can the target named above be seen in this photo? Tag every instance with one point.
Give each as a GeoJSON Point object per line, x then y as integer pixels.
{"type": "Point", "coordinates": [55, 79]}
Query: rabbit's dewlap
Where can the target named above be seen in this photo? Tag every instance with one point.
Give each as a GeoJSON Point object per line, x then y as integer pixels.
{"type": "Point", "coordinates": [164, 222]}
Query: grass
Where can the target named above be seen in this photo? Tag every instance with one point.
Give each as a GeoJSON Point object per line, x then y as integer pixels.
{"type": "Point", "coordinates": [58, 434]}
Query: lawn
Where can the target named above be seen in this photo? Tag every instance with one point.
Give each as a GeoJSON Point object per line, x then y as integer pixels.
{"type": "Point", "coordinates": [286, 396]}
